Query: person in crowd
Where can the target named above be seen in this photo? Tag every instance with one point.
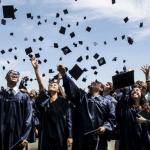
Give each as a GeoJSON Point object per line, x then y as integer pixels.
{"type": "Point", "coordinates": [55, 115]}
{"type": "Point", "coordinates": [15, 115]}
{"type": "Point", "coordinates": [97, 114]}
{"type": "Point", "coordinates": [35, 117]}
{"type": "Point", "coordinates": [108, 92]}
{"type": "Point", "coordinates": [133, 127]}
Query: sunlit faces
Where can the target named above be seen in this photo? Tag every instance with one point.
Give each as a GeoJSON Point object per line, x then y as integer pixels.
{"type": "Point", "coordinates": [33, 93]}
{"type": "Point", "coordinates": [12, 76]}
{"type": "Point", "coordinates": [108, 86]}
{"type": "Point", "coordinates": [95, 87]}
{"type": "Point", "coordinates": [53, 87]}
{"type": "Point", "coordinates": [136, 93]}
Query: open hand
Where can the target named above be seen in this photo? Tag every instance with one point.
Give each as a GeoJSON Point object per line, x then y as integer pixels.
{"type": "Point", "coordinates": [34, 62]}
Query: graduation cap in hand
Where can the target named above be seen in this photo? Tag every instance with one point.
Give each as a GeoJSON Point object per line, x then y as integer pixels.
{"type": "Point", "coordinates": [122, 80]}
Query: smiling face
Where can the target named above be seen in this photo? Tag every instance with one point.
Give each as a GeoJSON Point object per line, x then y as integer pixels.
{"type": "Point", "coordinates": [136, 93]}
{"type": "Point", "coordinates": [53, 87]}
{"type": "Point", "coordinates": [12, 77]}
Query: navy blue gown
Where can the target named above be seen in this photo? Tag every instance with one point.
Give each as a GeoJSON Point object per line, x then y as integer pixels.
{"type": "Point", "coordinates": [15, 119]}
{"type": "Point", "coordinates": [92, 113]}
{"type": "Point", "coordinates": [55, 122]}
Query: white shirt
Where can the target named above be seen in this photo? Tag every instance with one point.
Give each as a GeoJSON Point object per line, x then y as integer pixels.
{"type": "Point", "coordinates": [15, 89]}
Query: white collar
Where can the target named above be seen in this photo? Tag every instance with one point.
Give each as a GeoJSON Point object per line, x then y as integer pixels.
{"type": "Point", "coordinates": [16, 90]}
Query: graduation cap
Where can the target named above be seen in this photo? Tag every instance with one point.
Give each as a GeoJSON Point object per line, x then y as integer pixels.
{"type": "Point", "coordinates": [68, 25]}
{"type": "Point", "coordinates": [37, 55]}
{"type": "Point", "coordinates": [87, 48]}
{"type": "Point", "coordinates": [29, 15]}
{"type": "Point", "coordinates": [43, 75]}
{"type": "Point", "coordinates": [114, 59]}
{"type": "Point", "coordinates": [11, 34]}
{"type": "Point", "coordinates": [41, 38]}
{"type": "Point", "coordinates": [51, 71]}
{"type": "Point", "coordinates": [39, 62]}
{"type": "Point", "coordinates": [10, 50]}
{"type": "Point", "coordinates": [39, 23]}
{"type": "Point", "coordinates": [123, 37]}
{"type": "Point", "coordinates": [3, 67]}
{"type": "Point", "coordinates": [84, 79]}
{"type": "Point", "coordinates": [101, 61]}
{"type": "Point", "coordinates": [113, 1]}
{"type": "Point", "coordinates": [45, 60]}
{"type": "Point", "coordinates": [38, 17]}
{"type": "Point", "coordinates": [80, 42]}
{"type": "Point", "coordinates": [3, 22]}
{"type": "Point", "coordinates": [96, 56]}
{"type": "Point", "coordinates": [105, 43]}
{"type": "Point", "coordinates": [8, 62]}
{"type": "Point", "coordinates": [72, 35]}
{"type": "Point", "coordinates": [65, 11]}
{"type": "Point", "coordinates": [77, 23]}
{"type": "Point", "coordinates": [25, 39]}
{"type": "Point", "coordinates": [56, 45]}
{"type": "Point", "coordinates": [60, 59]}
{"type": "Point", "coordinates": [79, 59]}
{"type": "Point", "coordinates": [76, 72]}
{"type": "Point", "coordinates": [126, 19]}
{"type": "Point", "coordinates": [88, 29]}
{"type": "Point", "coordinates": [9, 11]}
{"type": "Point", "coordinates": [141, 24]}
{"type": "Point", "coordinates": [66, 50]}
{"type": "Point", "coordinates": [84, 17]}
{"type": "Point", "coordinates": [123, 80]}
{"type": "Point", "coordinates": [87, 57]}
{"type": "Point", "coordinates": [2, 52]}
{"type": "Point", "coordinates": [34, 40]}
{"type": "Point", "coordinates": [124, 61]}
{"type": "Point", "coordinates": [130, 40]}
{"type": "Point", "coordinates": [115, 38]}
{"type": "Point", "coordinates": [85, 70]}
{"type": "Point", "coordinates": [75, 44]}
{"type": "Point", "coordinates": [15, 57]}
{"type": "Point", "coordinates": [54, 23]}
{"type": "Point", "coordinates": [57, 15]}
{"type": "Point", "coordinates": [40, 49]}
{"type": "Point", "coordinates": [28, 50]}
{"type": "Point", "coordinates": [95, 72]}
{"type": "Point", "coordinates": [24, 60]}
{"type": "Point", "coordinates": [93, 67]}
{"type": "Point", "coordinates": [62, 30]}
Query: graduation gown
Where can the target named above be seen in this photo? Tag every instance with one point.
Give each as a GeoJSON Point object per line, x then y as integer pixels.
{"type": "Point", "coordinates": [15, 119]}
{"type": "Point", "coordinates": [35, 122]}
{"type": "Point", "coordinates": [133, 136]}
{"type": "Point", "coordinates": [55, 123]}
{"type": "Point", "coordinates": [92, 114]}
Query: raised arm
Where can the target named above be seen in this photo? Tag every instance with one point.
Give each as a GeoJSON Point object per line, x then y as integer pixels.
{"type": "Point", "coordinates": [146, 70]}
{"type": "Point", "coordinates": [35, 65]}
{"type": "Point", "coordinates": [71, 89]}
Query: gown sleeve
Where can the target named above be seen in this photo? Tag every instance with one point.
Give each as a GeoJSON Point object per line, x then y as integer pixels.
{"type": "Point", "coordinates": [28, 119]}
{"type": "Point", "coordinates": [72, 91]}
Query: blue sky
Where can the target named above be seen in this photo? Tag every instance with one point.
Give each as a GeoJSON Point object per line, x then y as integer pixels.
{"type": "Point", "coordinates": [106, 21]}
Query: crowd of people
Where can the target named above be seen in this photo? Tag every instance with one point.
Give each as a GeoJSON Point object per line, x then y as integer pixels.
{"type": "Point", "coordinates": [63, 116]}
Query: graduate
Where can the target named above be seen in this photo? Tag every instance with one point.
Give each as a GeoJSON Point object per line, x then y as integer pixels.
{"type": "Point", "coordinates": [35, 117]}
{"type": "Point", "coordinates": [15, 115]}
{"type": "Point", "coordinates": [133, 126]}
{"type": "Point", "coordinates": [55, 115]}
{"type": "Point", "coordinates": [97, 114]}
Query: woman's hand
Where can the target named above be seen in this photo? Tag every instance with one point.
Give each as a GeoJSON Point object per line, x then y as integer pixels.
{"type": "Point", "coordinates": [34, 62]}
